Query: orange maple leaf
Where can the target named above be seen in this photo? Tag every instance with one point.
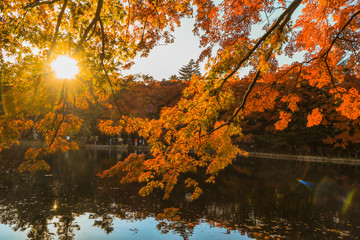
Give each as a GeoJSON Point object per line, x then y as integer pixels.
{"type": "Point", "coordinates": [314, 118]}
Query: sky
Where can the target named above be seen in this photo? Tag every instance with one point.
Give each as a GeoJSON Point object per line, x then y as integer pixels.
{"type": "Point", "coordinates": [166, 60]}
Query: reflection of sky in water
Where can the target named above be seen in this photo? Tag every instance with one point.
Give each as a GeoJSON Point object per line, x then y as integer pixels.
{"type": "Point", "coordinates": [7, 233]}
{"type": "Point", "coordinates": [125, 229]}
{"type": "Point", "coordinates": [259, 198]}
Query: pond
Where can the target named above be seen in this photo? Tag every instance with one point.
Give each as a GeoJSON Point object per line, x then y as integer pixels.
{"type": "Point", "coordinates": [253, 199]}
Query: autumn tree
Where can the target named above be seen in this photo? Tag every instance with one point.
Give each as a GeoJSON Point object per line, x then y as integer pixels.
{"type": "Point", "coordinates": [198, 132]}
{"type": "Point", "coordinates": [307, 130]}
{"type": "Point", "coordinates": [188, 70]}
{"type": "Point", "coordinates": [145, 99]}
{"type": "Point", "coordinates": [173, 77]}
{"type": "Point", "coordinates": [103, 36]}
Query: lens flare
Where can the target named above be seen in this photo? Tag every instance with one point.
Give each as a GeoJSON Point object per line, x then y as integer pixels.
{"type": "Point", "coordinates": [303, 182]}
{"type": "Point", "coordinates": [307, 184]}
{"type": "Point", "coordinates": [65, 67]}
{"type": "Point", "coordinates": [320, 195]}
{"type": "Point", "coordinates": [347, 201]}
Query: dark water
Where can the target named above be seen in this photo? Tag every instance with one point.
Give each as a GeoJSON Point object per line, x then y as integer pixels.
{"type": "Point", "coordinates": [254, 199]}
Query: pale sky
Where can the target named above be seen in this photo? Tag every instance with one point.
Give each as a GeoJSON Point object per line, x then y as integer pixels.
{"type": "Point", "coordinates": [166, 60]}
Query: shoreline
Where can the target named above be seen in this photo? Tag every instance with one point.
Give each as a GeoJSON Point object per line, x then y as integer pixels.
{"type": "Point", "coordinates": [116, 147]}
{"type": "Point", "coordinates": [303, 158]}
{"type": "Point", "coordinates": [306, 158]}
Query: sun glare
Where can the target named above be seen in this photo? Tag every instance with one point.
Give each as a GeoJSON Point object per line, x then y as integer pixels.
{"type": "Point", "coordinates": [65, 67]}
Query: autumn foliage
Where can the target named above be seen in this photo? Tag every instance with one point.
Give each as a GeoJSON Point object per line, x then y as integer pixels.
{"type": "Point", "coordinates": [196, 131]}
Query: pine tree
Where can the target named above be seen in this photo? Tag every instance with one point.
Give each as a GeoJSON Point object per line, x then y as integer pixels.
{"type": "Point", "coordinates": [173, 77]}
{"type": "Point", "coordinates": [188, 70]}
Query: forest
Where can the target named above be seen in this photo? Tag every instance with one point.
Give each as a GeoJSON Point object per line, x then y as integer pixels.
{"type": "Point", "coordinates": [191, 123]}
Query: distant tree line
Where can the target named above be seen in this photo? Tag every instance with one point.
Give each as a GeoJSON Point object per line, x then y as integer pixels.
{"type": "Point", "coordinates": [146, 97]}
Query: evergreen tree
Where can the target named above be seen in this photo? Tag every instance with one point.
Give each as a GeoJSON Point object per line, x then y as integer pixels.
{"type": "Point", "coordinates": [173, 77]}
{"type": "Point", "coordinates": [188, 70]}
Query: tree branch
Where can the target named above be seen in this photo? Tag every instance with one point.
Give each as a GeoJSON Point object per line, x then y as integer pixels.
{"type": "Point", "coordinates": [297, 78]}
{"type": "Point", "coordinates": [38, 3]}
{"type": "Point", "coordinates": [241, 107]}
{"type": "Point", "coordinates": [128, 18]}
{"type": "Point", "coordinates": [288, 12]}
{"type": "Point", "coordinates": [102, 56]}
{"type": "Point", "coordinates": [56, 34]}
{"type": "Point", "coordinates": [332, 79]}
{"type": "Point", "coordinates": [57, 130]}
{"type": "Point", "coordinates": [90, 26]}
{"type": "Point", "coordinates": [339, 33]}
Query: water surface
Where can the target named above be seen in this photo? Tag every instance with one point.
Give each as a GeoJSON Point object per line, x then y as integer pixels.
{"type": "Point", "coordinates": [253, 199]}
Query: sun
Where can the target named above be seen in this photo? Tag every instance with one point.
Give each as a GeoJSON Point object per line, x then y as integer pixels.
{"type": "Point", "coordinates": [65, 67]}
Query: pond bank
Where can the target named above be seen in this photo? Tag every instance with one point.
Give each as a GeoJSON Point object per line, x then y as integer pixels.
{"type": "Point", "coordinates": [349, 161]}
{"type": "Point", "coordinates": [304, 158]}
{"type": "Point", "coordinates": [116, 147]}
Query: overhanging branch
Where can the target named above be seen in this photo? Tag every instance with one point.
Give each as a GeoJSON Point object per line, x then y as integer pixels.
{"type": "Point", "coordinates": [287, 13]}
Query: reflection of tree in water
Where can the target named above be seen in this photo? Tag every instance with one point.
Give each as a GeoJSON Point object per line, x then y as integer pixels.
{"type": "Point", "coordinates": [105, 223]}
{"type": "Point", "coordinates": [257, 198]}
{"type": "Point", "coordinates": [66, 226]}
{"type": "Point", "coordinates": [39, 229]}
{"type": "Point", "coordinates": [270, 201]}
{"type": "Point", "coordinates": [25, 204]}
{"type": "Point", "coordinates": [182, 228]}
{"type": "Point", "coordinates": [170, 220]}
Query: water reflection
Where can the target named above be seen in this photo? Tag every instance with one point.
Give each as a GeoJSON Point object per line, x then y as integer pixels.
{"type": "Point", "coordinates": [256, 199]}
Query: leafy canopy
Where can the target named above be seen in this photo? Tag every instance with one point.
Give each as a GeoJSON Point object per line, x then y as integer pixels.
{"type": "Point", "coordinates": [104, 37]}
